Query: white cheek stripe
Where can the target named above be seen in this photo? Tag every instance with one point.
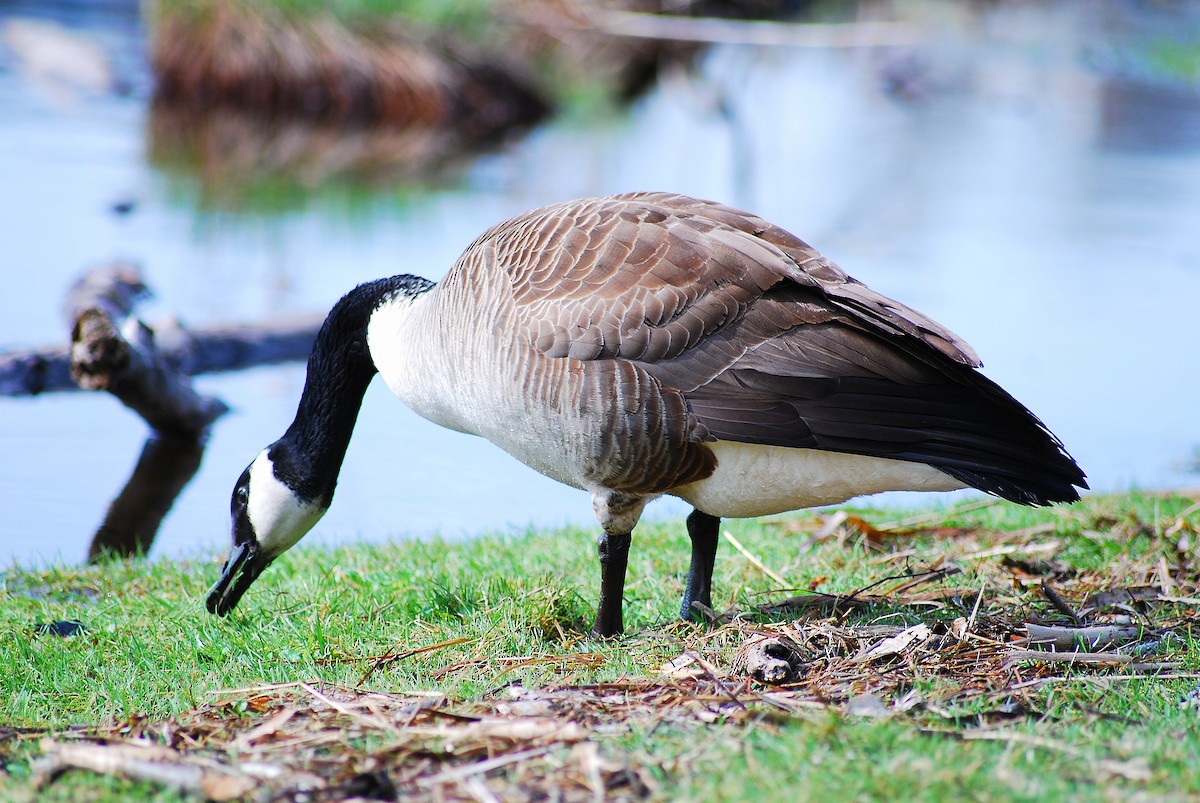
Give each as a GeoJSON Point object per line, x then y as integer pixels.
{"type": "Point", "coordinates": [280, 518]}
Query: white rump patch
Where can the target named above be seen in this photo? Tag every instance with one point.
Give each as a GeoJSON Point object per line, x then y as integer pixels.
{"type": "Point", "coordinates": [280, 518]}
{"type": "Point", "coordinates": [755, 480]}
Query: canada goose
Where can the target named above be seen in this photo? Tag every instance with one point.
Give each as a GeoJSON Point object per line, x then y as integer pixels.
{"type": "Point", "coordinates": [648, 344]}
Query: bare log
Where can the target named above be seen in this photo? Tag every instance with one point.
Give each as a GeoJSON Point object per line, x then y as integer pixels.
{"type": "Point", "coordinates": [127, 364]}
{"type": "Point", "coordinates": [132, 370]}
{"type": "Point", "coordinates": [148, 372]}
{"type": "Point", "coordinates": [100, 354]}
{"type": "Point", "coordinates": [711, 30]}
{"type": "Point", "coordinates": [29, 372]}
{"type": "Point", "coordinates": [204, 350]}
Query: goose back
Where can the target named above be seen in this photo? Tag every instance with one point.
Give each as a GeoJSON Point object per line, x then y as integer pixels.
{"type": "Point", "coordinates": [608, 342]}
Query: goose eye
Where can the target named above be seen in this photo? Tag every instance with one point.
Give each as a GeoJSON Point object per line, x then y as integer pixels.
{"type": "Point", "coordinates": [241, 493]}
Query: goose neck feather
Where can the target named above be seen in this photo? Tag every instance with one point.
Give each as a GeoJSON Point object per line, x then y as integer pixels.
{"type": "Point", "coordinates": [309, 455]}
{"type": "Point", "coordinates": [419, 359]}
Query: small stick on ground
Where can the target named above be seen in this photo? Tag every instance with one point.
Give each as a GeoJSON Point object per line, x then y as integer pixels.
{"type": "Point", "coordinates": [1070, 638]}
{"type": "Point", "coordinates": [1060, 604]}
{"type": "Point", "coordinates": [757, 563]}
{"type": "Point", "coordinates": [393, 657]}
{"type": "Point", "coordinates": [975, 610]}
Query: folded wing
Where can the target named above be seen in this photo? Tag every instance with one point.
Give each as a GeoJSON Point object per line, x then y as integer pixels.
{"type": "Point", "coordinates": [767, 341]}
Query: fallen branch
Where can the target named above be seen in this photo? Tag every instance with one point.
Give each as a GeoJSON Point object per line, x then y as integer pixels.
{"type": "Point", "coordinates": [713, 30]}
{"type": "Point", "coordinates": [1092, 638]}
{"type": "Point", "coordinates": [203, 350]}
{"type": "Point", "coordinates": [1069, 657]}
{"type": "Point", "coordinates": [1129, 663]}
{"type": "Point", "coordinates": [1060, 604]}
{"type": "Point", "coordinates": [149, 763]}
{"type": "Point", "coordinates": [126, 363]}
{"type": "Point", "coordinates": [113, 350]}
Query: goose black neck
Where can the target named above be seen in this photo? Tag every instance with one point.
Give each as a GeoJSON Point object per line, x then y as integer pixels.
{"type": "Point", "coordinates": [309, 456]}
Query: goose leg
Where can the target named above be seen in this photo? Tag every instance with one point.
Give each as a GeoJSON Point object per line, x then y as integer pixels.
{"type": "Point", "coordinates": [617, 513]}
{"type": "Point", "coordinates": [614, 556]}
{"type": "Point", "coordinates": [703, 530]}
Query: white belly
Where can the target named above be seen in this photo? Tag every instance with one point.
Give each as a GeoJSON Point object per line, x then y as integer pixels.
{"type": "Point", "coordinates": [753, 480]}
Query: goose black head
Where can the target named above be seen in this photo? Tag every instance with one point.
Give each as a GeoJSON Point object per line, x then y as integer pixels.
{"type": "Point", "coordinates": [268, 517]}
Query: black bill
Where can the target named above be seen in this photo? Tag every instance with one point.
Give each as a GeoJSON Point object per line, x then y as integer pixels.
{"type": "Point", "coordinates": [242, 568]}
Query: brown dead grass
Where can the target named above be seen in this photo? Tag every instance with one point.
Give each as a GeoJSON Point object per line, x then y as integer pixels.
{"type": "Point", "coordinates": [521, 743]}
{"type": "Point", "coordinates": [920, 643]}
{"type": "Point", "coordinates": [231, 53]}
{"type": "Point", "coordinates": [943, 649]}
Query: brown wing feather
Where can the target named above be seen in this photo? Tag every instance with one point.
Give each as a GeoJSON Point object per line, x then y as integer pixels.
{"type": "Point", "coordinates": [795, 352]}
{"type": "Point", "coordinates": [645, 276]}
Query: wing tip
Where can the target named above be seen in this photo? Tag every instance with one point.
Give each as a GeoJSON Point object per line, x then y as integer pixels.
{"type": "Point", "coordinates": [1059, 484]}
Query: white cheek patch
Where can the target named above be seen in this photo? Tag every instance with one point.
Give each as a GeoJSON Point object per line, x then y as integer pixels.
{"type": "Point", "coordinates": [280, 518]}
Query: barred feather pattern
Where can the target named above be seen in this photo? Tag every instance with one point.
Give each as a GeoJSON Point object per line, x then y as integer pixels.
{"type": "Point", "coordinates": [612, 338]}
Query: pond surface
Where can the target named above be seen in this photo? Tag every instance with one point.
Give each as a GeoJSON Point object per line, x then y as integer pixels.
{"type": "Point", "coordinates": [1024, 176]}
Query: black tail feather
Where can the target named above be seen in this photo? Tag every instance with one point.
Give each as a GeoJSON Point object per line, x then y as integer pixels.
{"type": "Point", "coordinates": [972, 429]}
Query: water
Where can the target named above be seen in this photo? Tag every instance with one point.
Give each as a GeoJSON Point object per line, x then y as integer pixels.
{"type": "Point", "coordinates": [1013, 184]}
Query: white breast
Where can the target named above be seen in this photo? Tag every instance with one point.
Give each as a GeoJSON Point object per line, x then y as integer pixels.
{"type": "Point", "coordinates": [754, 480]}
{"type": "Point", "coordinates": [407, 350]}
{"type": "Point", "coordinates": [452, 370]}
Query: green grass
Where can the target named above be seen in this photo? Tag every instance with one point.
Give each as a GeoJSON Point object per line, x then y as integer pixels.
{"type": "Point", "coordinates": [461, 16]}
{"type": "Point", "coordinates": [835, 758]}
{"type": "Point", "coordinates": [151, 651]}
